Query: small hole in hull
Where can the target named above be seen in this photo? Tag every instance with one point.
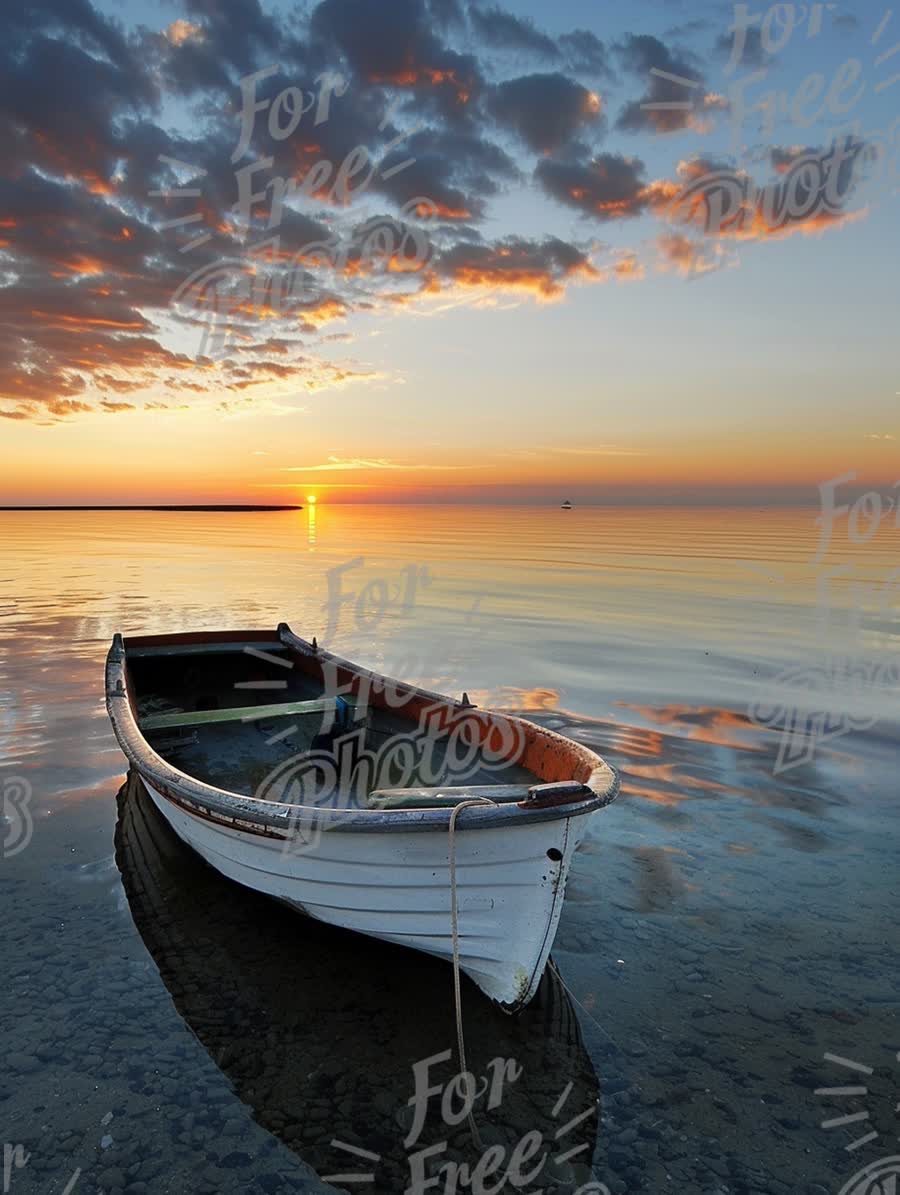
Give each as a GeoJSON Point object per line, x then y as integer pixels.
{"type": "Point", "coordinates": [554, 854]}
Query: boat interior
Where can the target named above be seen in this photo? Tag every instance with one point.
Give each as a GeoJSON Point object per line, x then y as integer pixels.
{"type": "Point", "coordinates": [244, 715]}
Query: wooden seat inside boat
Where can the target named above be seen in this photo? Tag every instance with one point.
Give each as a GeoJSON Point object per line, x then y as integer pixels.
{"type": "Point", "coordinates": [448, 796]}
{"type": "Point", "coordinates": [343, 708]}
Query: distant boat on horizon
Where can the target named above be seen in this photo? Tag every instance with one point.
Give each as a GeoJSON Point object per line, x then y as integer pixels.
{"type": "Point", "coordinates": [567, 505]}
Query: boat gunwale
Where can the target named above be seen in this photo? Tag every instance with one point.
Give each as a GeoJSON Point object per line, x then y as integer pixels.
{"type": "Point", "coordinates": [254, 815]}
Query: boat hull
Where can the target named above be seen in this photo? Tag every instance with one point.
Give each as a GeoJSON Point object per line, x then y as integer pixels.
{"type": "Point", "coordinates": [510, 886]}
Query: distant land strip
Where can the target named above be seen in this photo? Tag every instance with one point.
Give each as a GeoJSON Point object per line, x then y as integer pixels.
{"type": "Point", "coordinates": [214, 507]}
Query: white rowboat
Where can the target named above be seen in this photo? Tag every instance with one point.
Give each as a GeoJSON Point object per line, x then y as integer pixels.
{"type": "Point", "coordinates": [342, 797]}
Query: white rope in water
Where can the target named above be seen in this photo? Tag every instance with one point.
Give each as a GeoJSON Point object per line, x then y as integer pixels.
{"type": "Point", "coordinates": [454, 925]}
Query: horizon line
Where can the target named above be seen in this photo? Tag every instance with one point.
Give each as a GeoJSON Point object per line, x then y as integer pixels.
{"type": "Point", "coordinates": [227, 507]}
{"type": "Point", "coordinates": [650, 502]}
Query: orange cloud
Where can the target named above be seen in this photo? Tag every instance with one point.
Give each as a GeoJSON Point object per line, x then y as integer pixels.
{"type": "Point", "coordinates": [722, 202]}
{"type": "Point", "coordinates": [541, 269]}
{"type": "Point", "coordinates": [444, 210]}
{"type": "Point", "coordinates": [687, 256]}
{"type": "Point", "coordinates": [181, 31]}
{"type": "Point", "coordinates": [79, 265]}
{"type": "Point", "coordinates": [428, 76]}
{"type": "Point", "coordinates": [61, 319]}
{"type": "Point", "coordinates": [628, 268]}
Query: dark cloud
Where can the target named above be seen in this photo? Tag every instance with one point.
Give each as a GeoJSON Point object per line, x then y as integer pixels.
{"type": "Point", "coordinates": [541, 268]}
{"type": "Point", "coordinates": [459, 171]}
{"type": "Point", "coordinates": [71, 231]}
{"type": "Point", "coordinates": [398, 44]}
{"type": "Point", "coordinates": [393, 42]}
{"type": "Point", "coordinates": [500, 29]}
{"type": "Point", "coordinates": [585, 53]}
{"type": "Point", "coordinates": [546, 110]}
{"type": "Point", "coordinates": [386, 41]}
{"type": "Point", "coordinates": [447, 12]}
{"type": "Point", "coordinates": [216, 42]}
{"type": "Point", "coordinates": [69, 128]}
{"type": "Point", "coordinates": [610, 187]}
{"type": "Point", "coordinates": [297, 229]}
{"type": "Point", "coordinates": [643, 55]}
{"type": "Point", "coordinates": [750, 53]}
{"type": "Point", "coordinates": [76, 19]}
{"type": "Point", "coordinates": [189, 68]}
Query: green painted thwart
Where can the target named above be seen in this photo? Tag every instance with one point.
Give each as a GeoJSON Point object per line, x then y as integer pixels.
{"type": "Point", "coordinates": [246, 713]}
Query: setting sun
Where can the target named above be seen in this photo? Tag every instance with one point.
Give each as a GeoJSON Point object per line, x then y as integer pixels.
{"type": "Point", "coordinates": [311, 499]}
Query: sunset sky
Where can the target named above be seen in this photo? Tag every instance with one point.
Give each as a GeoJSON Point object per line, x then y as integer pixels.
{"type": "Point", "coordinates": [565, 325]}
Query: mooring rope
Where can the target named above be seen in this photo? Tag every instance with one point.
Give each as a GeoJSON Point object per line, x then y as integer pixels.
{"type": "Point", "coordinates": [454, 925]}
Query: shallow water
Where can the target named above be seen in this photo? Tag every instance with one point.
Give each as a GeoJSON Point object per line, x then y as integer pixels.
{"type": "Point", "coordinates": [730, 920]}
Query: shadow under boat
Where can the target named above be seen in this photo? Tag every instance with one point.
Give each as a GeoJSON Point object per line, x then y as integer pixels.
{"type": "Point", "coordinates": [319, 1029]}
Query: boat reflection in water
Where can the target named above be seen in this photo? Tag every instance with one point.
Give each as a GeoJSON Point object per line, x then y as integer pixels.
{"type": "Point", "coordinates": [320, 1030]}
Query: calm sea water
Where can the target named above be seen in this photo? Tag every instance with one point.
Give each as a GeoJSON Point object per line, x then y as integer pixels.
{"type": "Point", "coordinates": [730, 921]}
